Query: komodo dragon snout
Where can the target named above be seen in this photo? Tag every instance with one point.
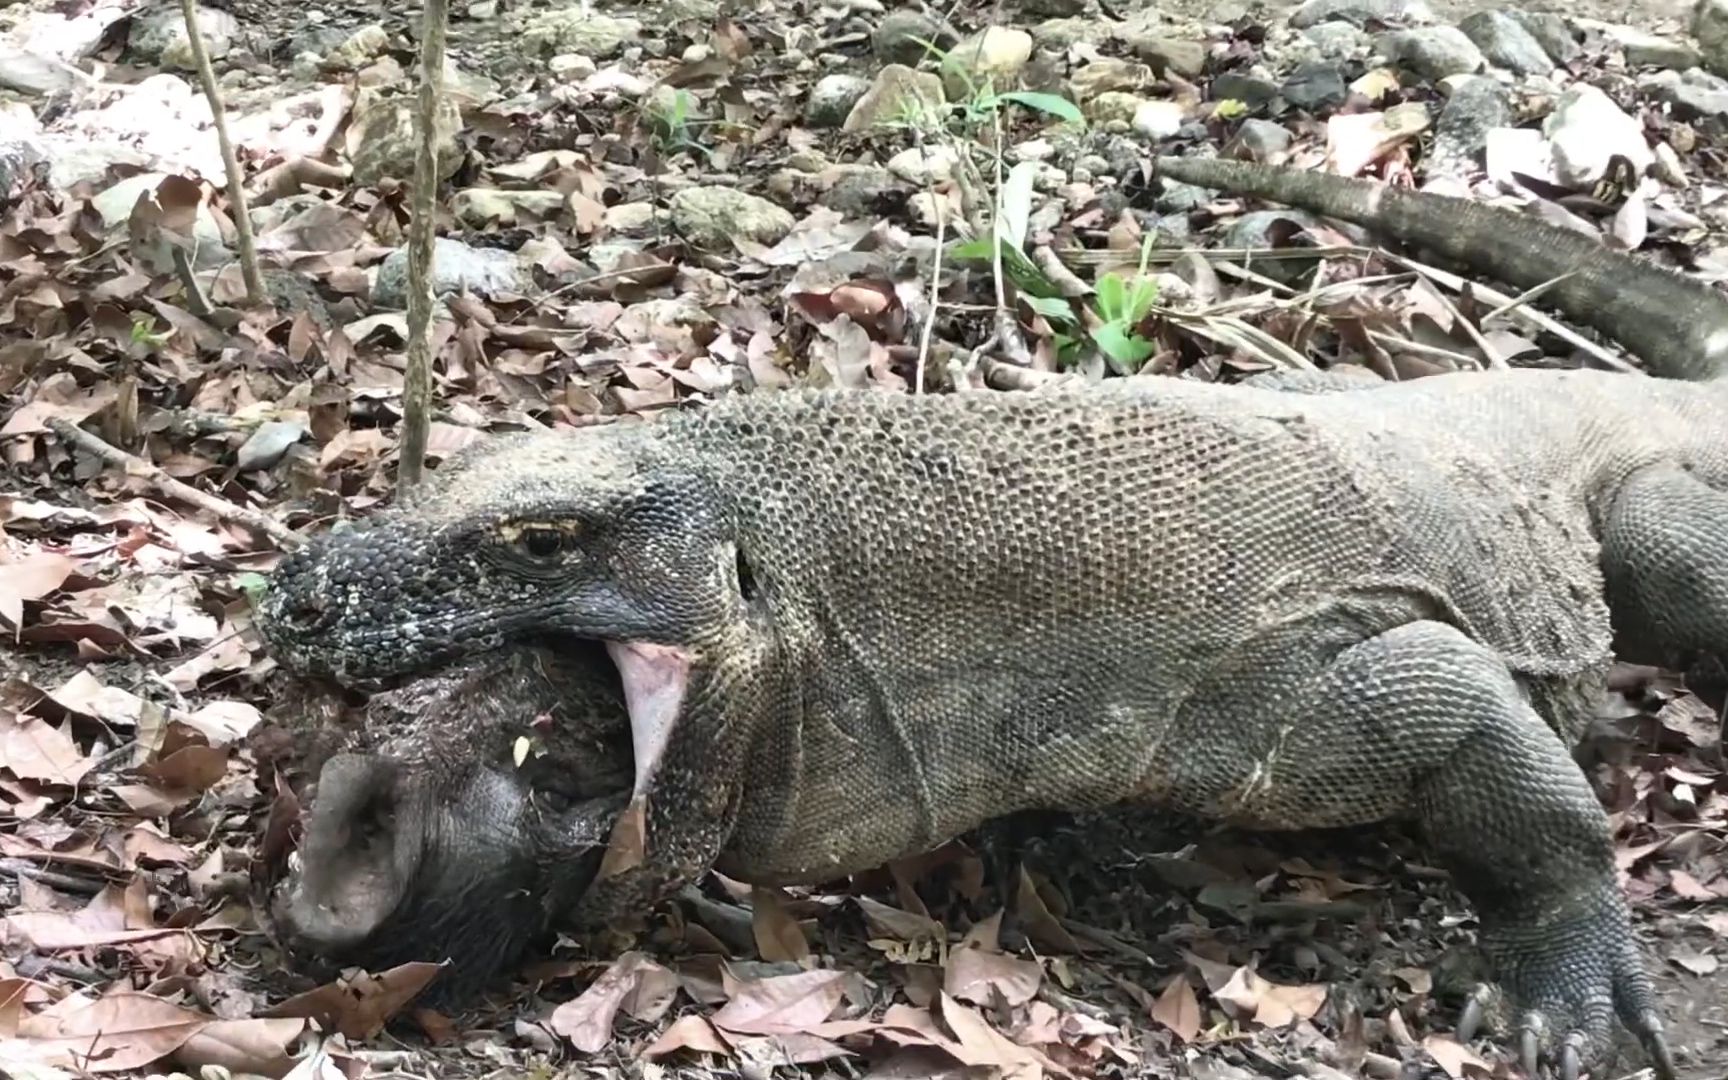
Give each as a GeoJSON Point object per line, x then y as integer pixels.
{"type": "Point", "coordinates": [468, 815]}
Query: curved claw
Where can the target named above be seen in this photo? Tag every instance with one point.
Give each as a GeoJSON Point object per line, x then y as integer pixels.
{"type": "Point", "coordinates": [1569, 1055]}
{"type": "Point", "coordinates": [1529, 1047]}
{"type": "Point", "coordinates": [1471, 1018]}
{"type": "Point", "coordinates": [1650, 1033]}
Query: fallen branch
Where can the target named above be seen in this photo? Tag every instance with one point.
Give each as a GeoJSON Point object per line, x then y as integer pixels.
{"type": "Point", "coordinates": [285, 538]}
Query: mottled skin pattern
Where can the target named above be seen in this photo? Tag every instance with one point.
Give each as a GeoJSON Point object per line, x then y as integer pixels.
{"type": "Point", "coordinates": [889, 619]}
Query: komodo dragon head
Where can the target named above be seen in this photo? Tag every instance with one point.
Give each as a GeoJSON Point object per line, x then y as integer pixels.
{"type": "Point", "coordinates": [468, 815]}
{"type": "Point", "coordinates": [586, 543]}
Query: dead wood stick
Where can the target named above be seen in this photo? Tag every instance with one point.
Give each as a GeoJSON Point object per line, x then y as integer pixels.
{"type": "Point", "coordinates": [285, 538]}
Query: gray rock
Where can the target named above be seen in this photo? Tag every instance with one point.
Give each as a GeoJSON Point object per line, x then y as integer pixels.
{"type": "Point", "coordinates": [1552, 33]}
{"type": "Point", "coordinates": [1178, 56]}
{"type": "Point", "coordinates": [456, 268]}
{"type": "Point", "coordinates": [900, 35]}
{"type": "Point", "coordinates": [1360, 12]}
{"type": "Point", "coordinates": [357, 49]}
{"type": "Point", "coordinates": [1250, 90]}
{"type": "Point", "coordinates": [832, 98]}
{"type": "Point", "coordinates": [1158, 120]}
{"type": "Point", "coordinates": [1263, 139]}
{"type": "Point", "coordinates": [319, 39]}
{"type": "Point", "coordinates": [1180, 198]}
{"type": "Point", "coordinates": [1585, 130]}
{"type": "Point", "coordinates": [865, 191]}
{"type": "Point", "coordinates": [159, 37]}
{"type": "Point", "coordinates": [713, 216]}
{"type": "Point", "coordinates": [21, 150]}
{"type": "Point", "coordinates": [33, 73]}
{"type": "Point", "coordinates": [1649, 50]}
{"type": "Point", "coordinates": [898, 94]}
{"type": "Point", "coordinates": [266, 445]}
{"type": "Point", "coordinates": [1506, 43]}
{"type": "Point", "coordinates": [382, 132]}
{"type": "Point", "coordinates": [1108, 73]}
{"type": "Point", "coordinates": [1337, 40]}
{"type": "Point", "coordinates": [590, 33]}
{"type": "Point", "coordinates": [1710, 27]}
{"type": "Point", "coordinates": [1696, 95]}
{"type": "Point", "coordinates": [1433, 52]}
{"type": "Point", "coordinates": [993, 57]}
{"type": "Point", "coordinates": [1478, 105]}
{"type": "Point", "coordinates": [1315, 87]}
{"type": "Point", "coordinates": [1052, 9]}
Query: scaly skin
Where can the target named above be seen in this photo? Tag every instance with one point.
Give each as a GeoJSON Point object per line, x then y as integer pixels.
{"type": "Point", "coordinates": [850, 626]}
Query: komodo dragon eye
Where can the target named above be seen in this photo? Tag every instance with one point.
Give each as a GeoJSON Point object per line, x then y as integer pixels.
{"type": "Point", "coordinates": [542, 543]}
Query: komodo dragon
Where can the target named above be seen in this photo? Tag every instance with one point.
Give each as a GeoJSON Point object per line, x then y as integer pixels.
{"type": "Point", "coordinates": [847, 626]}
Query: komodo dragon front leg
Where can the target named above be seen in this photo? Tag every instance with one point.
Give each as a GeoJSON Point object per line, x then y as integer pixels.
{"type": "Point", "coordinates": [1423, 721]}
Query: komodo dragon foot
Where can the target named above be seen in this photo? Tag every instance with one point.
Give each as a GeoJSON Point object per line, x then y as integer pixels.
{"type": "Point", "coordinates": [1422, 721]}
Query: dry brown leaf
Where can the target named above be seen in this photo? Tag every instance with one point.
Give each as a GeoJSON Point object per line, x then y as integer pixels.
{"type": "Point", "coordinates": [991, 978]}
{"type": "Point", "coordinates": [252, 1045]}
{"type": "Point", "coordinates": [1178, 1009]}
{"type": "Point", "coordinates": [781, 1003]}
{"type": "Point", "coordinates": [587, 1019]}
{"type": "Point", "coordinates": [31, 578]}
{"type": "Point", "coordinates": [1455, 1058]}
{"type": "Point", "coordinates": [886, 921]}
{"type": "Point", "coordinates": [116, 1033]}
{"type": "Point", "coordinates": [977, 1043]}
{"type": "Point", "coordinates": [778, 935]}
{"type": "Point", "coordinates": [359, 1006]}
{"type": "Point", "coordinates": [33, 749]}
{"type": "Point", "coordinates": [691, 1032]}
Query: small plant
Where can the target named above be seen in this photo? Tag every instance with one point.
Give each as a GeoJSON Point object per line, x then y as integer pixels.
{"type": "Point", "coordinates": [1122, 303]}
{"type": "Point", "coordinates": [671, 120]}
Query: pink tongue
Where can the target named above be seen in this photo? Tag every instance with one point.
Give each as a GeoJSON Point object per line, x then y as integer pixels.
{"type": "Point", "coordinates": [655, 678]}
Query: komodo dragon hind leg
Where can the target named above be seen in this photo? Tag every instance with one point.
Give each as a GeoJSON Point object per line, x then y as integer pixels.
{"type": "Point", "coordinates": [1665, 562]}
{"type": "Point", "coordinates": [1422, 720]}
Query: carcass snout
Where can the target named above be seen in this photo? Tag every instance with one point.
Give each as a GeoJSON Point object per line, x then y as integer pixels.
{"type": "Point", "coordinates": [355, 861]}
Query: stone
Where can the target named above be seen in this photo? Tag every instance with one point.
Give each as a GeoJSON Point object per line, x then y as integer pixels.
{"type": "Point", "coordinates": [590, 33]}
{"type": "Point", "coordinates": [357, 49]}
{"type": "Point", "coordinates": [1171, 55]}
{"type": "Point", "coordinates": [898, 95]}
{"type": "Point", "coordinates": [1315, 87]}
{"type": "Point", "coordinates": [832, 98]}
{"type": "Point", "coordinates": [1251, 90]}
{"type": "Point", "coordinates": [1477, 104]}
{"type": "Point", "coordinates": [382, 141]}
{"type": "Point", "coordinates": [1710, 28]}
{"type": "Point", "coordinates": [1653, 51]}
{"type": "Point", "coordinates": [1552, 33]}
{"type": "Point", "coordinates": [1114, 107]}
{"type": "Point", "coordinates": [456, 268]}
{"type": "Point", "coordinates": [1432, 52]}
{"type": "Point", "coordinates": [1361, 12]}
{"type": "Point", "coordinates": [993, 57]}
{"type": "Point", "coordinates": [1262, 139]}
{"type": "Point", "coordinates": [1585, 130]}
{"type": "Point", "coordinates": [1158, 120]}
{"type": "Point", "coordinates": [1506, 43]}
{"type": "Point", "coordinates": [899, 38]}
{"type": "Point", "coordinates": [713, 216]}
{"type": "Point", "coordinates": [1108, 74]}
{"type": "Point", "coordinates": [924, 165]}
{"type": "Point", "coordinates": [159, 37]}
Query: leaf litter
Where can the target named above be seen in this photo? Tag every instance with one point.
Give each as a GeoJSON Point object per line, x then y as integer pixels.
{"type": "Point", "coordinates": [148, 748]}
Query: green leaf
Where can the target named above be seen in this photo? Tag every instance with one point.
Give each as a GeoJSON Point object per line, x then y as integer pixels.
{"type": "Point", "coordinates": [1056, 309]}
{"type": "Point", "coordinates": [1111, 305]}
{"type": "Point", "coordinates": [1120, 347]}
{"type": "Point", "coordinates": [1054, 104]}
{"type": "Point", "coordinates": [252, 586]}
{"type": "Point", "coordinates": [1230, 109]}
{"type": "Point", "coordinates": [1022, 271]}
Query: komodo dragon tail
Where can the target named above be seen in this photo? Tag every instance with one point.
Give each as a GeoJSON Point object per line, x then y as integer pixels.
{"type": "Point", "coordinates": [1677, 324]}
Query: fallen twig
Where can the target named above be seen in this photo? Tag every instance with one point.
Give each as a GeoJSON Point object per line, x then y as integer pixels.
{"type": "Point", "coordinates": [134, 465]}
